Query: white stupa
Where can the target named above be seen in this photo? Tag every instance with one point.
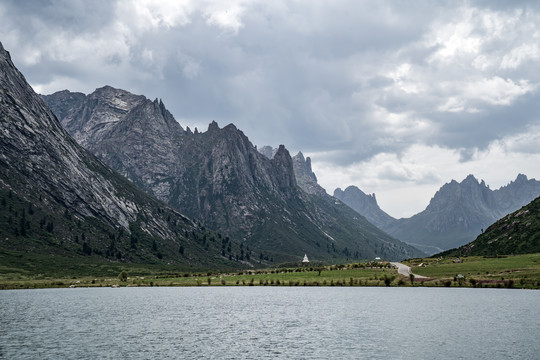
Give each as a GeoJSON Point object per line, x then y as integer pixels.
{"type": "Point", "coordinates": [306, 260]}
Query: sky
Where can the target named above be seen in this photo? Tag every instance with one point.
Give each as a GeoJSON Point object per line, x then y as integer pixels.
{"type": "Point", "coordinates": [394, 97]}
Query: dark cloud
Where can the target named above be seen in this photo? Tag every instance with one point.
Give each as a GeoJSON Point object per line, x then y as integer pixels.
{"type": "Point", "coordinates": [77, 16]}
{"type": "Point", "coordinates": [347, 80]}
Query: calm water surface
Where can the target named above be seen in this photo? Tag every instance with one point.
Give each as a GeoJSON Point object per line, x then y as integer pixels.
{"type": "Point", "coordinates": [270, 323]}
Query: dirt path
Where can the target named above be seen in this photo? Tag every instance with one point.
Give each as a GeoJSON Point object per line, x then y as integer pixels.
{"type": "Point", "coordinates": [406, 270]}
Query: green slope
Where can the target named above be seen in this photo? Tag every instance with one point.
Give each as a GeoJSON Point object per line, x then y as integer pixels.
{"type": "Point", "coordinates": [516, 233]}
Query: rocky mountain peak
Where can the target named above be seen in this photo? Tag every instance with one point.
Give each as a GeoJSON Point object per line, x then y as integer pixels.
{"type": "Point", "coordinates": [521, 178]}
{"type": "Point", "coordinates": [213, 126]}
{"type": "Point", "coordinates": [467, 194]}
{"type": "Point", "coordinates": [516, 194]}
{"type": "Point", "coordinates": [470, 178]}
{"type": "Point", "coordinates": [306, 164]}
{"type": "Point", "coordinates": [458, 212]}
{"type": "Point", "coordinates": [268, 151]}
{"type": "Point", "coordinates": [366, 205]}
{"type": "Point", "coordinates": [282, 159]}
{"type": "Point", "coordinates": [305, 176]}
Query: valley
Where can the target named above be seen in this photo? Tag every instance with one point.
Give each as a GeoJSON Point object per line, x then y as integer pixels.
{"type": "Point", "coordinates": [518, 271]}
{"type": "Point", "coordinates": [213, 201]}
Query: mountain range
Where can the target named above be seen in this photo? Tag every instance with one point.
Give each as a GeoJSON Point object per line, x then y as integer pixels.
{"type": "Point", "coordinates": [218, 178]}
{"type": "Point", "coordinates": [59, 194]}
{"type": "Point", "coordinates": [455, 216]}
{"type": "Point", "coordinates": [59, 200]}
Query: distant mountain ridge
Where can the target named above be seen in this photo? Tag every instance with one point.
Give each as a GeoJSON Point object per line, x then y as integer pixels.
{"type": "Point", "coordinates": [456, 214]}
{"type": "Point", "coordinates": [219, 178]}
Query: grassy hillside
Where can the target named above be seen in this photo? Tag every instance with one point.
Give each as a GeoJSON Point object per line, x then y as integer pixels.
{"type": "Point", "coordinates": [37, 236]}
{"type": "Point", "coordinates": [516, 233]}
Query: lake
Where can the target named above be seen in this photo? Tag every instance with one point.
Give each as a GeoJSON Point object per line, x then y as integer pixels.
{"type": "Point", "coordinates": [270, 323]}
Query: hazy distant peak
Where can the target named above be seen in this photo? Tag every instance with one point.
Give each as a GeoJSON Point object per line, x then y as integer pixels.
{"type": "Point", "coordinates": [268, 151]}
{"type": "Point", "coordinates": [470, 179]}
{"type": "Point", "coordinates": [365, 204]}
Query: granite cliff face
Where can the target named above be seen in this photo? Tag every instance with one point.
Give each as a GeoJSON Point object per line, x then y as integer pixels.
{"type": "Point", "coordinates": [305, 176]}
{"type": "Point", "coordinates": [219, 178]}
{"type": "Point", "coordinates": [455, 216]}
{"type": "Point", "coordinates": [60, 199]}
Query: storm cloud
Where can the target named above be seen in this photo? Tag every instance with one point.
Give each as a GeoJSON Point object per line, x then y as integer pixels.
{"type": "Point", "coordinates": [394, 97]}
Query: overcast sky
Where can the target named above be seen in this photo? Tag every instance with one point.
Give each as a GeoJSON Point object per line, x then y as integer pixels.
{"type": "Point", "coordinates": [395, 97]}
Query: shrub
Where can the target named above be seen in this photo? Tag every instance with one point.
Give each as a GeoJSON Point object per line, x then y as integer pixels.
{"type": "Point", "coordinates": [123, 276]}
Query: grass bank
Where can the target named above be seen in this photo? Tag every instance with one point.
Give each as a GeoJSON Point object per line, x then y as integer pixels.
{"type": "Point", "coordinates": [520, 271]}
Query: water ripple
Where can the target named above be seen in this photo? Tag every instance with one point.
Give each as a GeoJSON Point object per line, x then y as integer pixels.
{"type": "Point", "coordinates": [269, 323]}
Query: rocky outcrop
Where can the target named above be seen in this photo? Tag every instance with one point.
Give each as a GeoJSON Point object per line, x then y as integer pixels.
{"type": "Point", "coordinates": [305, 176]}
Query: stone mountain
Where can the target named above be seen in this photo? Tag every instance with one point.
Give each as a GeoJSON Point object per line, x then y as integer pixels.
{"type": "Point", "coordinates": [455, 216]}
{"type": "Point", "coordinates": [59, 200]}
{"type": "Point", "coordinates": [365, 205]}
{"type": "Point", "coordinates": [219, 178]}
